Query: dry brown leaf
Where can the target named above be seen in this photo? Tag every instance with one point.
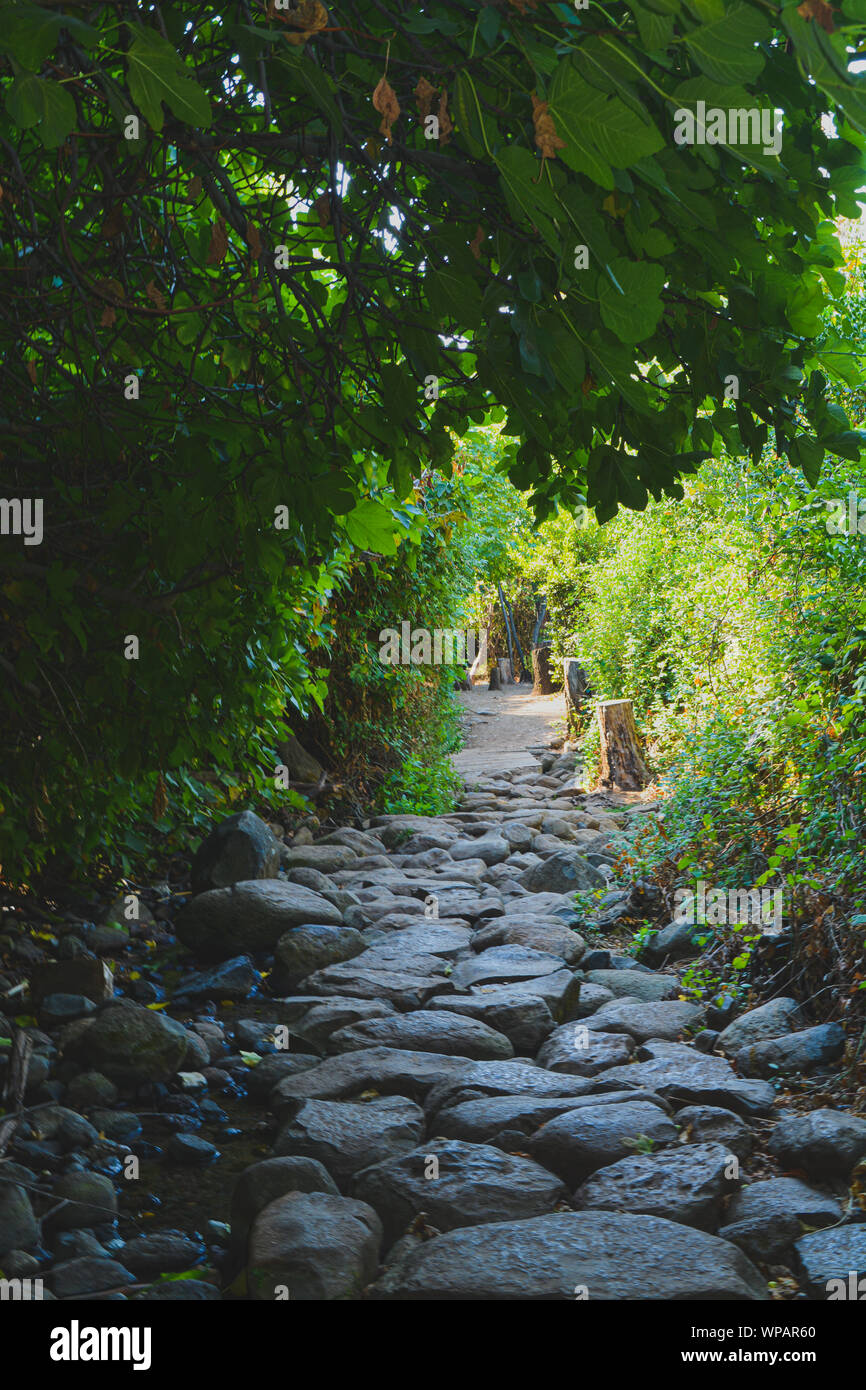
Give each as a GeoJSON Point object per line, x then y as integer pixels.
{"type": "Point", "coordinates": [254, 241]}
{"type": "Point", "coordinates": [193, 188]}
{"type": "Point", "coordinates": [588, 383]}
{"type": "Point", "coordinates": [160, 798]}
{"type": "Point", "coordinates": [115, 223]}
{"type": "Point", "coordinates": [425, 94]}
{"type": "Point", "coordinates": [446, 125]}
{"type": "Point", "coordinates": [386, 103]}
{"type": "Point", "coordinates": [546, 137]}
{"type": "Point", "coordinates": [108, 317]}
{"type": "Point", "coordinates": [323, 209]}
{"type": "Point", "coordinates": [818, 10]}
{"type": "Point", "coordinates": [475, 243]}
{"type": "Point", "coordinates": [31, 370]}
{"type": "Point", "coordinates": [219, 243]}
{"type": "Point", "coordinates": [155, 296]}
{"type": "Point", "coordinates": [309, 18]}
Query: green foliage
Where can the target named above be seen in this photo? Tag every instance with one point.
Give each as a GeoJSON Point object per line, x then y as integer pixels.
{"type": "Point", "coordinates": [230, 303]}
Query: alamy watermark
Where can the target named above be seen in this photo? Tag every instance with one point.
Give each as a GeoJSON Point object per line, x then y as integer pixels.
{"type": "Point", "coordinates": [717, 907]}
{"type": "Point", "coordinates": [847, 516]}
{"type": "Point", "coordinates": [755, 125]}
{"type": "Point", "coordinates": [22, 516]}
{"type": "Point", "coordinates": [449, 646]}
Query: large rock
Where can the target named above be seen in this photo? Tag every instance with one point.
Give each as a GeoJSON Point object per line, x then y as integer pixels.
{"type": "Point", "coordinates": [552, 937]}
{"type": "Point", "coordinates": [90, 1201]}
{"type": "Point", "coordinates": [242, 847]}
{"type": "Point", "coordinates": [327, 859]}
{"type": "Point", "coordinates": [576, 1144]}
{"type": "Point", "coordinates": [131, 1044]}
{"type": "Point", "coordinates": [85, 975]}
{"type": "Point", "coordinates": [770, 1020]}
{"type": "Point", "coordinates": [803, 1051]}
{"type": "Point", "coordinates": [502, 964]}
{"type": "Point", "coordinates": [574, 1049]}
{"type": "Point", "coordinates": [711, 1124]}
{"type": "Point", "coordinates": [311, 1246]}
{"type": "Point", "coordinates": [507, 1121]}
{"type": "Point", "coordinates": [493, 849]}
{"type": "Point", "coordinates": [262, 1183]}
{"type": "Point", "coordinates": [345, 1137]}
{"type": "Point", "coordinates": [666, 1019]}
{"type": "Point", "coordinates": [564, 872]}
{"type": "Point", "coordinates": [18, 1228]}
{"type": "Point", "coordinates": [250, 916]}
{"type": "Point", "coordinates": [599, 1255]}
{"type": "Point", "coordinates": [456, 1184]}
{"type": "Point", "coordinates": [524, 1019]}
{"type": "Point", "coordinates": [232, 979]}
{"type": "Point", "coordinates": [824, 1143]}
{"type": "Point", "coordinates": [687, 1077]}
{"type": "Point", "coordinates": [425, 1030]}
{"type": "Point", "coordinates": [305, 949]}
{"type": "Point", "coordinates": [382, 1069]}
{"type": "Point", "coordinates": [314, 1021]}
{"type": "Point", "coordinates": [403, 988]}
{"type": "Point", "coordinates": [672, 942]}
{"type": "Point", "coordinates": [635, 984]}
{"type": "Point", "coordinates": [686, 1184]}
{"type": "Point", "coordinates": [827, 1260]}
{"type": "Point", "coordinates": [766, 1218]}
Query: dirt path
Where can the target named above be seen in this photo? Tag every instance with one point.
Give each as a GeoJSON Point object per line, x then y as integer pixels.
{"type": "Point", "coordinates": [502, 729]}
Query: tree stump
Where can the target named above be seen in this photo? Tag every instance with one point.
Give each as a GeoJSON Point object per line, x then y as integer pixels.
{"type": "Point", "coordinates": [495, 679]}
{"type": "Point", "coordinates": [506, 671]}
{"type": "Point", "coordinates": [622, 765]}
{"type": "Point", "coordinates": [542, 681]}
{"type": "Point", "coordinates": [576, 684]}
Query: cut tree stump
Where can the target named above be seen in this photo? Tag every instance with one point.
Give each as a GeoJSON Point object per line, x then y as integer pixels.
{"type": "Point", "coordinates": [506, 671]}
{"type": "Point", "coordinates": [622, 765]}
{"type": "Point", "coordinates": [542, 681]}
{"type": "Point", "coordinates": [495, 679]}
{"type": "Point", "coordinates": [576, 683]}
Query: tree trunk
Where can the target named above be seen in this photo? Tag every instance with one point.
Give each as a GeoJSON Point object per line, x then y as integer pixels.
{"type": "Point", "coordinates": [622, 765]}
{"type": "Point", "coordinates": [506, 624]}
{"type": "Point", "coordinates": [542, 681]}
{"type": "Point", "coordinates": [495, 679]}
{"type": "Point", "coordinates": [506, 671]}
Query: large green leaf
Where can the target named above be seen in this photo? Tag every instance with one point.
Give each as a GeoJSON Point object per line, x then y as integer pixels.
{"type": "Point", "coordinates": [34, 101]}
{"type": "Point", "coordinates": [725, 49]}
{"type": "Point", "coordinates": [633, 314]}
{"type": "Point", "coordinates": [155, 76]}
{"type": "Point", "coordinates": [521, 175]}
{"type": "Point", "coordinates": [600, 131]}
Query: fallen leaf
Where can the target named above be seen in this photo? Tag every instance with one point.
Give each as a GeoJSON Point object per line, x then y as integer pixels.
{"type": "Point", "coordinates": [386, 103]}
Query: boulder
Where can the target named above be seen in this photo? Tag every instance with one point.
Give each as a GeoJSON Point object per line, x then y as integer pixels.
{"type": "Point", "coordinates": [312, 1246]}
{"type": "Point", "coordinates": [262, 1183]}
{"type": "Point", "coordinates": [242, 847]}
{"type": "Point", "coordinates": [711, 1124]}
{"type": "Point", "coordinates": [131, 1044]}
{"type": "Point", "coordinates": [598, 1255]}
{"type": "Point", "coordinates": [572, 1048]}
{"type": "Point", "coordinates": [576, 1144]}
{"type": "Point", "coordinates": [345, 1137]}
{"type": "Point", "coordinates": [18, 1228]}
{"type": "Point", "coordinates": [250, 916]}
{"type": "Point", "coordinates": [803, 1051]}
{"type": "Point", "coordinates": [686, 1184]}
{"type": "Point", "coordinates": [565, 871]}
{"type": "Point", "coordinates": [831, 1263]}
{"type": "Point", "coordinates": [665, 1019]}
{"type": "Point", "coordinates": [525, 1020]}
{"type": "Point", "coordinates": [671, 943]}
{"type": "Point", "coordinates": [552, 937]}
{"type": "Point", "coordinates": [770, 1020]}
{"type": "Point", "coordinates": [687, 1077]}
{"type": "Point", "coordinates": [425, 1030]}
{"type": "Point", "coordinates": [635, 984]}
{"type": "Point", "coordinates": [456, 1184]}
{"type": "Point", "coordinates": [312, 947]}
{"type": "Point", "coordinates": [824, 1143]}
{"type": "Point", "coordinates": [502, 964]}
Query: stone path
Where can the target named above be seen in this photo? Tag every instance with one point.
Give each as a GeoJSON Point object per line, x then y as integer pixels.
{"type": "Point", "coordinates": [466, 1087]}
{"type": "Point", "coordinates": [501, 728]}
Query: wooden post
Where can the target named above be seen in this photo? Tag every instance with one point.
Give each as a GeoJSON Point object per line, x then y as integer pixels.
{"type": "Point", "coordinates": [495, 679]}
{"type": "Point", "coordinates": [622, 765]}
